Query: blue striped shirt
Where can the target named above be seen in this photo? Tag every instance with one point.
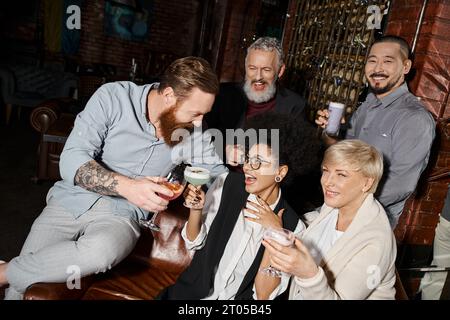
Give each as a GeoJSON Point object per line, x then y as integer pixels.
{"type": "Point", "coordinates": [113, 129]}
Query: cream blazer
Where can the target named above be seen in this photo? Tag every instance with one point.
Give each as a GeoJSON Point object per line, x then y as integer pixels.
{"type": "Point", "coordinates": [360, 265]}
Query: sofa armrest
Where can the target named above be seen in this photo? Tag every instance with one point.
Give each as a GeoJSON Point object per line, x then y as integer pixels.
{"type": "Point", "coordinates": [44, 115]}
{"type": "Point", "coordinates": [166, 249]}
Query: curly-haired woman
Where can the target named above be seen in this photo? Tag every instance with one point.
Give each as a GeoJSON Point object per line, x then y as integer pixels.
{"type": "Point", "coordinates": [227, 233]}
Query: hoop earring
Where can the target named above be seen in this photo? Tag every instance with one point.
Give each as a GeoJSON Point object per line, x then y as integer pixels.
{"type": "Point", "coordinates": [278, 179]}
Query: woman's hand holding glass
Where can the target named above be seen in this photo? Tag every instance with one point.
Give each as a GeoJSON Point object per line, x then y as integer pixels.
{"type": "Point", "coordinates": [196, 177]}
{"type": "Point", "coordinates": [295, 260]}
{"type": "Point", "coordinates": [283, 237]}
{"type": "Point", "coordinates": [195, 197]}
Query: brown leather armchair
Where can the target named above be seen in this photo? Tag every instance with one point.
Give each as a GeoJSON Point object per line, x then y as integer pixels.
{"type": "Point", "coordinates": [53, 119]}
{"type": "Point", "coordinates": [154, 264]}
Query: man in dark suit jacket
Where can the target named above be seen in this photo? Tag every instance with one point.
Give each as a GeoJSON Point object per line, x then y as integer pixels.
{"type": "Point", "coordinates": [230, 107]}
{"type": "Point", "coordinates": [259, 93]}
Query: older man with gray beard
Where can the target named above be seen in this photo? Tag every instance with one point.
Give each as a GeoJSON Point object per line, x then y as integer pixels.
{"type": "Point", "coordinates": [260, 92]}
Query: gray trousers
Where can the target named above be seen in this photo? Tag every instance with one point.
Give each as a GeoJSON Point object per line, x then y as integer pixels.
{"type": "Point", "coordinates": [60, 246]}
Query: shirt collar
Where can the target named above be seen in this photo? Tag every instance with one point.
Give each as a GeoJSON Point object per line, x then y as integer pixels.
{"type": "Point", "coordinates": [390, 98]}
{"type": "Point", "coordinates": [252, 197]}
{"type": "Point", "coordinates": [144, 110]}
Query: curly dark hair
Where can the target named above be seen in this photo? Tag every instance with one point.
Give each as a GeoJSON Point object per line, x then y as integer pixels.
{"type": "Point", "coordinates": [300, 148]}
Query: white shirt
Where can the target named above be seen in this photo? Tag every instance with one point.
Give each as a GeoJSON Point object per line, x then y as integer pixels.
{"type": "Point", "coordinates": [241, 249]}
{"type": "Point", "coordinates": [322, 240]}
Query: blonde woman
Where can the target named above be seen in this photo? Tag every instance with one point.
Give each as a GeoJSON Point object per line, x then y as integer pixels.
{"type": "Point", "coordinates": [349, 250]}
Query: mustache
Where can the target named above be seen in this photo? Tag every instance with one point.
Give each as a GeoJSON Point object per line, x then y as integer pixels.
{"type": "Point", "coordinates": [259, 80]}
{"type": "Point", "coordinates": [373, 75]}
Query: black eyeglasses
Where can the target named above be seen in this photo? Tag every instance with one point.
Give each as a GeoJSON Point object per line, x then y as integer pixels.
{"type": "Point", "coordinates": [255, 162]}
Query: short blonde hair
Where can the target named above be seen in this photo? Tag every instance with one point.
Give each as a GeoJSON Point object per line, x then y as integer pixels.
{"type": "Point", "coordinates": [360, 156]}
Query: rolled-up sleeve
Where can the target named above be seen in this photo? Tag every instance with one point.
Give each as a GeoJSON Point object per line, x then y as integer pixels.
{"type": "Point", "coordinates": [198, 242]}
{"type": "Point", "coordinates": [87, 136]}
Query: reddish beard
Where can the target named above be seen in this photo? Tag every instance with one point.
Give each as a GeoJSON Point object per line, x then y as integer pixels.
{"type": "Point", "coordinates": [169, 123]}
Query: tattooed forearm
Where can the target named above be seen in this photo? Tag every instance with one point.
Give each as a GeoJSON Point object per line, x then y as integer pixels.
{"type": "Point", "coordinates": [93, 177]}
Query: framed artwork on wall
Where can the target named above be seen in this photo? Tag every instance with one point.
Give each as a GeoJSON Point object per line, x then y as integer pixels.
{"type": "Point", "coordinates": [128, 19]}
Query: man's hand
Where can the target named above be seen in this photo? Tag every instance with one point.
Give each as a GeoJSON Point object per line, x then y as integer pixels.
{"type": "Point", "coordinates": [143, 192]}
{"type": "Point", "coordinates": [322, 118]}
{"type": "Point", "coordinates": [322, 122]}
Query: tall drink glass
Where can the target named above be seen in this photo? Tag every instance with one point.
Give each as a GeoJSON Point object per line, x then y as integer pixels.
{"type": "Point", "coordinates": [336, 110]}
{"type": "Point", "coordinates": [283, 237]}
{"type": "Point", "coordinates": [176, 183]}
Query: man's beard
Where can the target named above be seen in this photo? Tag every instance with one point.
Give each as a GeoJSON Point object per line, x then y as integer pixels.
{"type": "Point", "coordinates": [260, 97]}
{"type": "Point", "coordinates": [386, 88]}
{"type": "Point", "coordinates": [169, 124]}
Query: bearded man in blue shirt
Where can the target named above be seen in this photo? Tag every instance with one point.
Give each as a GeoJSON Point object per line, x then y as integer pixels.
{"type": "Point", "coordinates": [110, 167]}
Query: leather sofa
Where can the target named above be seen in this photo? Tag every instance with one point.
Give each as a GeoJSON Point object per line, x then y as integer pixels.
{"type": "Point", "coordinates": [53, 120]}
{"type": "Point", "coordinates": [154, 264]}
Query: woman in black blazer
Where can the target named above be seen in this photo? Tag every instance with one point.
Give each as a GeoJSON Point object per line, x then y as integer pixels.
{"type": "Point", "coordinates": [227, 233]}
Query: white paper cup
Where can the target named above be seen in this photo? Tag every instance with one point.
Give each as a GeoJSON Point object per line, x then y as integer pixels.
{"type": "Point", "coordinates": [335, 110]}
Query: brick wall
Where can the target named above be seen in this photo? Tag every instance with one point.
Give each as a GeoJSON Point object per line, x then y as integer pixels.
{"type": "Point", "coordinates": [241, 28]}
{"type": "Point", "coordinates": [173, 29]}
{"type": "Point", "coordinates": [432, 84]}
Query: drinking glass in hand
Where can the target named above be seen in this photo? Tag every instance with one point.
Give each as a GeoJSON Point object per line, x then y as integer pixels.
{"type": "Point", "coordinates": [175, 182]}
{"type": "Point", "coordinates": [197, 177]}
{"type": "Point", "coordinates": [283, 237]}
{"type": "Point", "coordinates": [336, 110]}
